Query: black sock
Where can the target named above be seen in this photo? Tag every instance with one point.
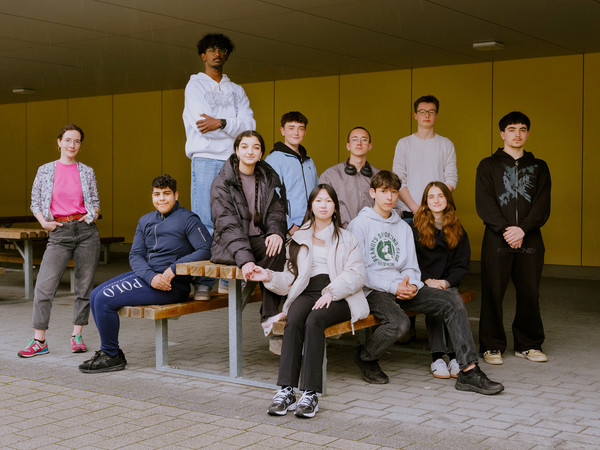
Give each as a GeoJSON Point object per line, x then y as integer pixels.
{"type": "Point", "coordinates": [451, 356]}
{"type": "Point", "coordinates": [437, 355]}
{"type": "Point", "coordinates": [41, 341]}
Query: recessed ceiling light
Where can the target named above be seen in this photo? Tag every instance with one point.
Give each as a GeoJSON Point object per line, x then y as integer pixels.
{"type": "Point", "coordinates": [487, 46]}
{"type": "Point", "coordinates": [23, 91]}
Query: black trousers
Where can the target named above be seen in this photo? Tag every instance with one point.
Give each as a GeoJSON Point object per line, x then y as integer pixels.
{"type": "Point", "coordinates": [304, 337]}
{"type": "Point", "coordinates": [270, 301]}
{"type": "Point", "coordinates": [499, 264]}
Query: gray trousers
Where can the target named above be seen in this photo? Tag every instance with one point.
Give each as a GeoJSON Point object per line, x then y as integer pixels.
{"type": "Point", "coordinates": [77, 240]}
{"type": "Point", "coordinates": [394, 322]}
{"type": "Point", "coordinates": [437, 334]}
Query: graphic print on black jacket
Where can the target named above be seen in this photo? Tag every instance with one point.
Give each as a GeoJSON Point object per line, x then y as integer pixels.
{"type": "Point", "coordinates": [231, 216]}
{"type": "Point", "coordinates": [513, 192]}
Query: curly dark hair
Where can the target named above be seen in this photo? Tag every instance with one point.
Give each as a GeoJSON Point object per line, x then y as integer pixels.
{"type": "Point", "coordinates": [165, 181]}
{"type": "Point", "coordinates": [215, 40]}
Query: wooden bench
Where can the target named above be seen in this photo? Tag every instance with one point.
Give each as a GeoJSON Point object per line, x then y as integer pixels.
{"type": "Point", "coordinates": [13, 257]}
{"type": "Point", "coordinates": [346, 327]}
{"type": "Point", "coordinates": [236, 301]}
{"type": "Point", "coordinates": [105, 246]}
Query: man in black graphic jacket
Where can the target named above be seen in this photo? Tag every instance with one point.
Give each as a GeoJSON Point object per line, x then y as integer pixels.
{"type": "Point", "coordinates": [512, 195]}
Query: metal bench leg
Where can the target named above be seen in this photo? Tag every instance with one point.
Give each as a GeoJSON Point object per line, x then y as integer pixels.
{"type": "Point", "coordinates": [325, 369]}
{"type": "Point", "coordinates": [235, 329]}
{"type": "Point", "coordinates": [161, 337]}
{"type": "Point", "coordinates": [28, 267]}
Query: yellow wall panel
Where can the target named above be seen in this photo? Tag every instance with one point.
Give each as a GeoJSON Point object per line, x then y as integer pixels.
{"type": "Point", "coordinates": [380, 102]}
{"type": "Point", "coordinates": [44, 119]}
{"type": "Point", "coordinates": [549, 91]}
{"type": "Point", "coordinates": [174, 160]}
{"type": "Point", "coordinates": [13, 148]}
{"type": "Point", "coordinates": [94, 116]}
{"type": "Point", "coordinates": [262, 97]}
{"type": "Point", "coordinates": [137, 157]}
{"type": "Point", "coordinates": [318, 100]}
{"type": "Point", "coordinates": [464, 92]}
{"type": "Point", "coordinates": [591, 162]}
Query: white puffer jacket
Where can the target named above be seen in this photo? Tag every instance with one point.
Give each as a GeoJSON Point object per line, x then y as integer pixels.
{"type": "Point", "coordinates": [346, 271]}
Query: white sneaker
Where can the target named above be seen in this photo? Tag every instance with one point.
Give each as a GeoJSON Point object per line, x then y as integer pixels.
{"type": "Point", "coordinates": [223, 286]}
{"type": "Point", "coordinates": [493, 357]}
{"type": "Point", "coordinates": [439, 369]}
{"type": "Point", "coordinates": [453, 368]}
{"type": "Point", "coordinates": [532, 355]}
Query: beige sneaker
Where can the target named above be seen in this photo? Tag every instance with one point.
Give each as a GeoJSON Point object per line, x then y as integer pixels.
{"type": "Point", "coordinates": [532, 355]}
{"type": "Point", "coordinates": [493, 357]}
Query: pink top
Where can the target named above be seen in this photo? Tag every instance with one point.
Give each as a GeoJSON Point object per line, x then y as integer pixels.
{"type": "Point", "coordinates": [67, 197]}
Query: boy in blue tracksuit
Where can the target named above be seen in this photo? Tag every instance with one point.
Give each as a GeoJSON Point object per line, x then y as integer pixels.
{"type": "Point", "coordinates": [295, 169]}
{"type": "Point", "coordinates": [163, 238]}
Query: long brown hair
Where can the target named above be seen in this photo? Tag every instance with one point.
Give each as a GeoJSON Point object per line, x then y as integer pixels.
{"type": "Point", "coordinates": [309, 220]}
{"type": "Point", "coordinates": [425, 222]}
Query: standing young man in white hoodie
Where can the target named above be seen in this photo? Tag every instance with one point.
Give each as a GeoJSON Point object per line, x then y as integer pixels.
{"type": "Point", "coordinates": [393, 284]}
{"type": "Point", "coordinates": [216, 110]}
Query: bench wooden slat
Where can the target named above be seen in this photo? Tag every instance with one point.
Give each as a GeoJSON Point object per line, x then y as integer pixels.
{"type": "Point", "coordinates": [16, 258]}
{"type": "Point", "coordinates": [156, 312]}
{"type": "Point", "coordinates": [346, 327]}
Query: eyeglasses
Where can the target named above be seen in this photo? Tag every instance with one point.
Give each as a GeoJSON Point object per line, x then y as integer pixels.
{"type": "Point", "coordinates": [427, 112]}
{"type": "Point", "coordinates": [223, 51]}
{"type": "Point", "coordinates": [363, 140]}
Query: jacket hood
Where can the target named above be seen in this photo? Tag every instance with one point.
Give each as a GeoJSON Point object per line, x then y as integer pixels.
{"type": "Point", "coordinates": [202, 77]}
{"type": "Point", "coordinates": [500, 153]}
{"type": "Point", "coordinates": [281, 147]}
{"type": "Point", "coordinates": [371, 214]}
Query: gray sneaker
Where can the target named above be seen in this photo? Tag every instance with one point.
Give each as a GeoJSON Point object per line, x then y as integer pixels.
{"type": "Point", "coordinates": [308, 405]}
{"type": "Point", "coordinates": [284, 400]}
{"type": "Point", "coordinates": [201, 292]}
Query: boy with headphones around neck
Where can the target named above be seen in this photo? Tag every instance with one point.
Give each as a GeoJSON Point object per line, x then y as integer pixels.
{"type": "Point", "coordinates": [351, 179]}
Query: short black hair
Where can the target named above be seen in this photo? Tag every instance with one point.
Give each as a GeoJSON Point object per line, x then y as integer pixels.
{"type": "Point", "coordinates": [294, 116]}
{"type": "Point", "coordinates": [513, 118]}
{"type": "Point", "coordinates": [165, 181]}
{"type": "Point", "coordinates": [427, 99]}
{"type": "Point", "coordinates": [386, 179]}
{"type": "Point", "coordinates": [215, 40]}
{"type": "Point", "coordinates": [358, 128]}
{"type": "Point", "coordinates": [70, 127]}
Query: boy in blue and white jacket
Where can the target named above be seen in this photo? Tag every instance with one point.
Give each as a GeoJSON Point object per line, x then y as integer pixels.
{"type": "Point", "coordinates": [393, 284]}
{"type": "Point", "coordinates": [163, 238]}
{"type": "Point", "coordinates": [295, 169]}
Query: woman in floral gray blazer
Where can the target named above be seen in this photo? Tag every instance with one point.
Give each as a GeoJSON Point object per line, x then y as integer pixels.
{"type": "Point", "coordinates": [64, 199]}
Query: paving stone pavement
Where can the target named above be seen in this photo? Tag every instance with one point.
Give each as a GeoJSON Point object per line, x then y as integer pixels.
{"type": "Point", "coordinates": [45, 402]}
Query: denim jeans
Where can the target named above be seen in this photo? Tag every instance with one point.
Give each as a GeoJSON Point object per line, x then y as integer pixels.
{"type": "Point", "coordinates": [437, 334]}
{"type": "Point", "coordinates": [127, 290]}
{"type": "Point", "coordinates": [77, 240]}
{"type": "Point", "coordinates": [204, 172]}
{"type": "Point", "coordinates": [394, 323]}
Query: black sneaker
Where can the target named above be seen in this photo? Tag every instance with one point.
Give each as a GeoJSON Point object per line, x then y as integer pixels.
{"type": "Point", "coordinates": [475, 380]}
{"type": "Point", "coordinates": [371, 371]}
{"type": "Point", "coordinates": [101, 362]}
{"type": "Point", "coordinates": [308, 405]}
{"type": "Point", "coordinates": [284, 400]}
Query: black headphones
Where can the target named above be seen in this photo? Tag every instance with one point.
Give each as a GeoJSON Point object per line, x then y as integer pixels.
{"type": "Point", "coordinates": [365, 170]}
